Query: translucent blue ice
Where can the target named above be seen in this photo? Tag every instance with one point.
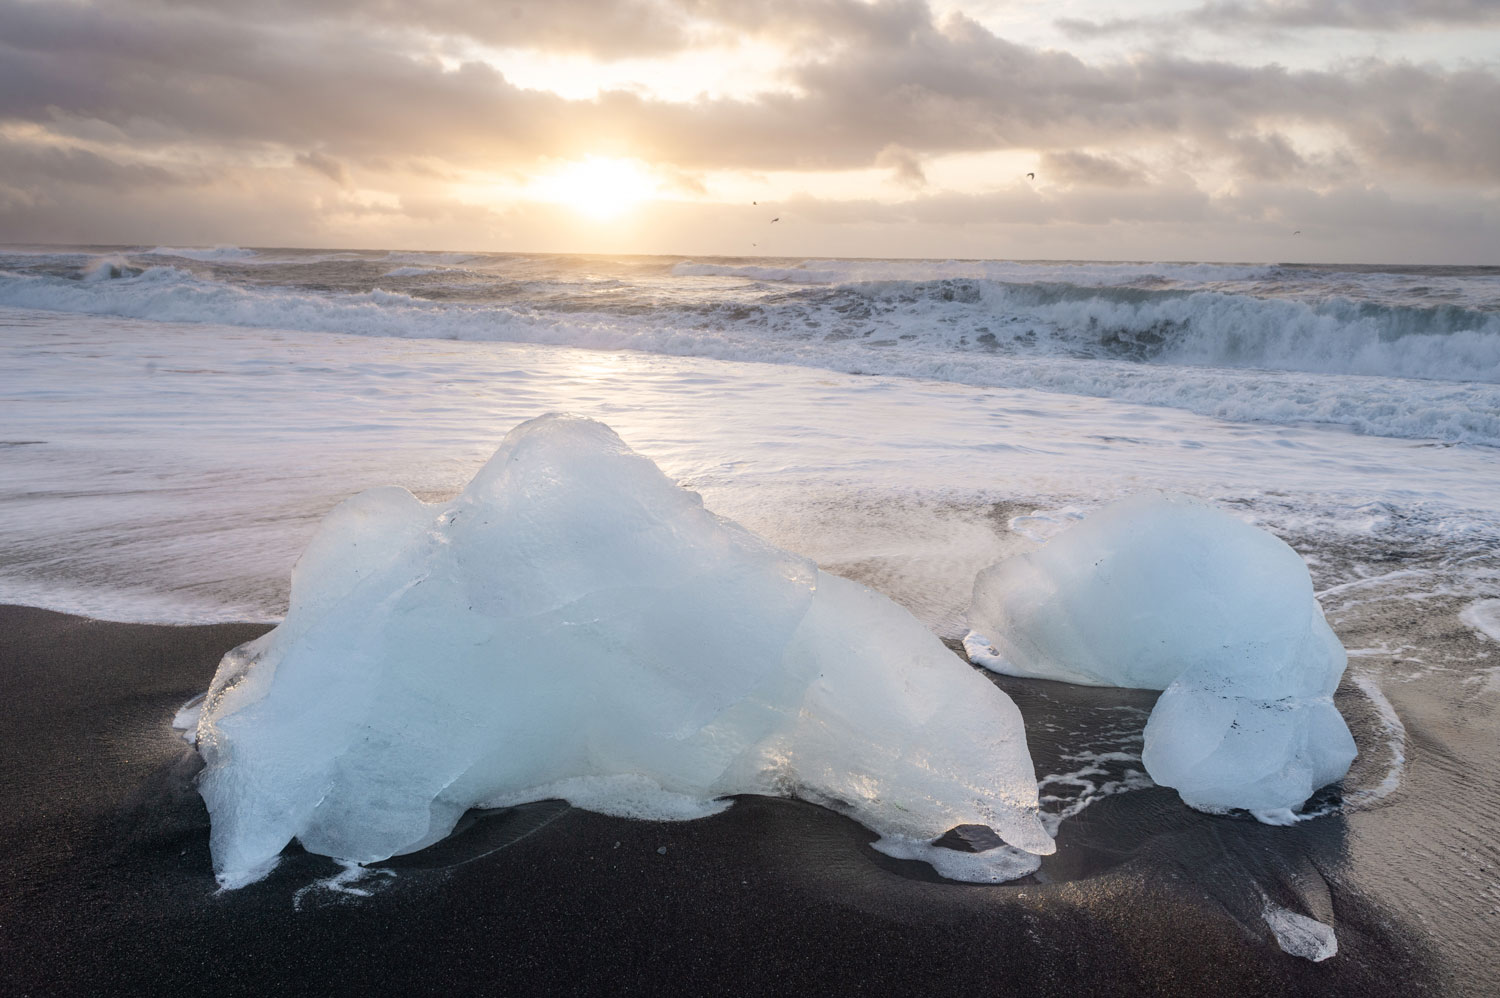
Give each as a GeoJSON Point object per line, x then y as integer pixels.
{"type": "Point", "coordinates": [575, 625]}
{"type": "Point", "coordinates": [1169, 593]}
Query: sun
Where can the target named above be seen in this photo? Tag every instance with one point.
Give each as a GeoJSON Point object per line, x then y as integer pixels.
{"type": "Point", "coordinates": [599, 187]}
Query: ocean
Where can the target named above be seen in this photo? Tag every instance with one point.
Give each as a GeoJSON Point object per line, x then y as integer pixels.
{"type": "Point", "coordinates": [813, 400]}
{"type": "Point", "coordinates": [1409, 352]}
{"type": "Point", "coordinates": [177, 420]}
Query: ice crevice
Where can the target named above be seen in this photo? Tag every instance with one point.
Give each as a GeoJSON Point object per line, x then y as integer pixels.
{"type": "Point", "coordinates": [575, 625]}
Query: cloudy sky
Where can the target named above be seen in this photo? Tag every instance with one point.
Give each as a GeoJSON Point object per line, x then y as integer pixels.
{"type": "Point", "coordinates": [1172, 129]}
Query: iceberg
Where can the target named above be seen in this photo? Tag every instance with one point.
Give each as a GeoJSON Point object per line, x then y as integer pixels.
{"type": "Point", "coordinates": [1169, 593]}
{"type": "Point", "coordinates": [574, 625]}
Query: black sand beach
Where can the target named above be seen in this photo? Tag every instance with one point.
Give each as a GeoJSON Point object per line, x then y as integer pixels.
{"type": "Point", "coordinates": [108, 887]}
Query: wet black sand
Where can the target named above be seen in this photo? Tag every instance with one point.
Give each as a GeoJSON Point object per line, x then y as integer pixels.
{"type": "Point", "coordinates": [107, 885]}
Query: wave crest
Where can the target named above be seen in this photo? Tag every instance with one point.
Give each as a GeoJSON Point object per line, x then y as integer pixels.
{"type": "Point", "coordinates": [1419, 372]}
{"type": "Point", "coordinates": [216, 254]}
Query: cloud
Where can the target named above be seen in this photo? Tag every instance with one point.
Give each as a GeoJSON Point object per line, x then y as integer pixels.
{"type": "Point", "coordinates": [1365, 15]}
{"type": "Point", "coordinates": [603, 29]}
{"type": "Point", "coordinates": [913, 82]}
{"type": "Point", "coordinates": [1019, 206]}
{"type": "Point", "coordinates": [1088, 170]}
{"type": "Point", "coordinates": [1231, 17]}
{"type": "Point", "coordinates": [24, 164]}
{"type": "Point", "coordinates": [905, 165]}
{"type": "Point", "coordinates": [1172, 219]}
{"type": "Point", "coordinates": [614, 30]}
{"type": "Point", "coordinates": [325, 165]}
{"type": "Point", "coordinates": [143, 95]}
{"type": "Point", "coordinates": [681, 181]}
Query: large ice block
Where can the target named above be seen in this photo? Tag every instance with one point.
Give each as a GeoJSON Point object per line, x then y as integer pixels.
{"type": "Point", "coordinates": [575, 625]}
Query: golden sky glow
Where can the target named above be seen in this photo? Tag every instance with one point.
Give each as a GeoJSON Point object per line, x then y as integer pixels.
{"type": "Point", "coordinates": [598, 187]}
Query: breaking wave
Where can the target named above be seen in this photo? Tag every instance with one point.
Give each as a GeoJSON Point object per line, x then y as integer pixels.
{"type": "Point", "coordinates": [1114, 330]}
{"type": "Point", "coordinates": [1084, 274]}
{"type": "Point", "coordinates": [226, 254]}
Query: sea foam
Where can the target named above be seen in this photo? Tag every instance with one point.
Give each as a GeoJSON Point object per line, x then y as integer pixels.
{"type": "Point", "coordinates": [216, 254]}
{"type": "Point", "coordinates": [1415, 371]}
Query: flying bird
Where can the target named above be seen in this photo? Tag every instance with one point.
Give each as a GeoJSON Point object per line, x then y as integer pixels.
{"type": "Point", "coordinates": [1297, 233]}
{"type": "Point", "coordinates": [776, 219]}
{"type": "Point", "coordinates": [1030, 176]}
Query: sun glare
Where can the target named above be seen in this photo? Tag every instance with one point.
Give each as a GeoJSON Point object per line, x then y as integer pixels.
{"type": "Point", "coordinates": [597, 186]}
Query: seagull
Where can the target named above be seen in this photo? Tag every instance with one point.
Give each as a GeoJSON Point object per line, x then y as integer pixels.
{"type": "Point", "coordinates": [1030, 176]}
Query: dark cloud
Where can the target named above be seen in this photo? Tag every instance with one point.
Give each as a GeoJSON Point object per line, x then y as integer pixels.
{"type": "Point", "coordinates": [1279, 15]}
{"type": "Point", "coordinates": [192, 78]}
{"type": "Point", "coordinates": [1266, 157]}
{"type": "Point", "coordinates": [1088, 170]}
{"type": "Point", "coordinates": [1364, 15]}
{"type": "Point", "coordinates": [325, 165]}
{"type": "Point", "coordinates": [603, 29]}
{"type": "Point", "coordinates": [905, 166]}
{"type": "Point", "coordinates": [24, 165]}
{"type": "Point", "coordinates": [613, 30]}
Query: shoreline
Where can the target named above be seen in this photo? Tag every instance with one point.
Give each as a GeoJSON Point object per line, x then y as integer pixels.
{"type": "Point", "coordinates": [106, 854]}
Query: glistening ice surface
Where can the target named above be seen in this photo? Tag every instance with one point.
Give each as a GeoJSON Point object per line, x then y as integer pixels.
{"type": "Point", "coordinates": [1168, 593]}
{"type": "Point", "coordinates": [575, 625]}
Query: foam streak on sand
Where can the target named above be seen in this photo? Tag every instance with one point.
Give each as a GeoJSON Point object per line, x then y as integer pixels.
{"type": "Point", "coordinates": [1395, 733]}
{"type": "Point", "coordinates": [1086, 784]}
{"type": "Point", "coordinates": [343, 882]}
{"type": "Point", "coordinates": [1377, 580]}
{"type": "Point", "coordinates": [1484, 617]}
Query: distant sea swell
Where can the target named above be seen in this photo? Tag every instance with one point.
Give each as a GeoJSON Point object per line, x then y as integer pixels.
{"type": "Point", "coordinates": [1406, 353]}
